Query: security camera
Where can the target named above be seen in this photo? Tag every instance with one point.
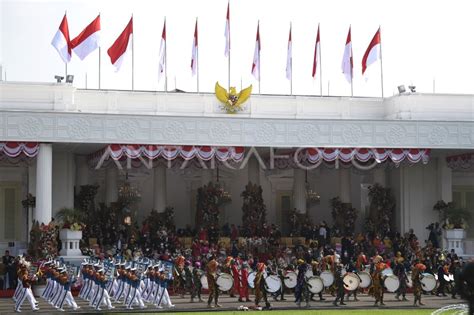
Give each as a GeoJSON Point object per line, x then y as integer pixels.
{"type": "Point", "coordinates": [412, 88]}
{"type": "Point", "coordinates": [58, 78]}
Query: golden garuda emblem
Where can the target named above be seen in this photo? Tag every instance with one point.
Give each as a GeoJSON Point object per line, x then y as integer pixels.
{"type": "Point", "coordinates": [231, 101]}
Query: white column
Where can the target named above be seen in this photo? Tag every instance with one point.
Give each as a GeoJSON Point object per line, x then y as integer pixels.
{"type": "Point", "coordinates": [159, 188]}
{"type": "Point", "coordinates": [379, 176]}
{"type": "Point", "coordinates": [111, 184]}
{"type": "Point", "coordinates": [345, 185]}
{"type": "Point", "coordinates": [254, 171]}
{"type": "Point", "coordinates": [82, 172]}
{"type": "Point", "coordinates": [445, 180]}
{"type": "Point", "coordinates": [44, 183]}
{"type": "Point", "coordinates": [299, 190]}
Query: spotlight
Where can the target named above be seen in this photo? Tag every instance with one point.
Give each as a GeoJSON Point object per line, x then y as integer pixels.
{"type": "Point", "coordinates": [69, 78]}
{"type": "Point", "coordinates": [412, 88]}
{"type": "Point", "coordinates": [58, 78]}
{"type": "Point", "coordinates": [401, 89]}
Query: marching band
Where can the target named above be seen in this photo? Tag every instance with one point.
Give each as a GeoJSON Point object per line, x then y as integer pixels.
{"type": "Point", "coordinates": [138, 283]}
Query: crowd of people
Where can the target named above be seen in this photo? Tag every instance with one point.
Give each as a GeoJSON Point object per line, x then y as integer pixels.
{"type": "Point", "coordinates": [246, 263]}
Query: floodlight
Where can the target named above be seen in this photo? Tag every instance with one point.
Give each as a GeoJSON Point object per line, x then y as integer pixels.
{"type": "Point", "coordinates": [401, 89]}
{"type": "Point", "coordinates": [69, 78]}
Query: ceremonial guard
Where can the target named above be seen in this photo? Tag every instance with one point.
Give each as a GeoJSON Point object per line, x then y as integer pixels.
{"type": "Point", "coordinates": [211, 274]}
{"type": "Point", "coordinates": [102, 296]}
{"type": "Point", "coordinates": [197, 274]}
{"type": "Point", "coordinates": [301, 289]}
{"type": "Point", "coordinates": [164, 298]}
{"type": "Point", "coordinates": [316, 272]}
{"type": "Point", "coordinates": [339, 284]}
{"type": "Point", "coordinates": [377, 288]}
{"type": "Point", "coordinates": [244, 288]}
{"type": "Point", "coordinates": [134, 297]}
{"type": "Point", "coordinates": [416, 280]}
{"type": "Point", "coordinates": [65, 295]}
{"type": "Point", "coordinates": [188, 276]}
{"type": "Point", "coordinates": [260, 286]}
{"type": "Point", "coordinates": [25, 289]}
{"type": "Point", "coordinates": [400, 272]}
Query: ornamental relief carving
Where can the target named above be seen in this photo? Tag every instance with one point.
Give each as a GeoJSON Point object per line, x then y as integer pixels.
{"type": "Point", "coordinates": [308, 133]}
{"type": "Point", "coordinates": [352, 134]}
{"type": "Point", "coordinates": [438, 135]}
{"type": "Point", "coordinates": [78, 128]}
{"type": "Point", "coordinates": [30, 127]}
{"type": "Point", "coordinates": [264, 133]}
{"type": "Point", "coordinates": [395, 134]}
{"type": "Point", "coordinates": [127, 129]}
{"type": "Point", "coordinates": [173, 130]}
{"type": "Point", "coordinates": [219, 131]}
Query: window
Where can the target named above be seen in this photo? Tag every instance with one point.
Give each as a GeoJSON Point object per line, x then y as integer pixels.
{"type": "Point", "coordinates": [463, 196]}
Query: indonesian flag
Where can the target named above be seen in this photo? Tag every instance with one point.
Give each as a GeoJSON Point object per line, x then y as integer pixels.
{"type": "Point", "coordinates": [88, 40]}
{"type": "Point", "coordinates": [195, 50]}
{"type": "Point", "coordinates": [61, 41]}
{"type": "Point", "coordinates": [347, 58]}
{"type": "Point", "coordinates": [256, 56]}
{"type": "Point", "coordinates": [317, 53]}
{"type": "Point", "coordinates": [227, 32]}
{"type": "Point", "coordinates": [161, 57]}
{"type": "Point", "coordinates": [118, 50]}
{"type": "Point", "coordinates": [289, 59]}
{"type": "Point", "coordinates": [372, 54]}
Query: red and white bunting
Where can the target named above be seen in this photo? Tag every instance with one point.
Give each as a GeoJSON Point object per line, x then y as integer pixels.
{"type": "Point", "coordinates": [15, 149]}
{"type": "Point", "coordinates": [346, 155]}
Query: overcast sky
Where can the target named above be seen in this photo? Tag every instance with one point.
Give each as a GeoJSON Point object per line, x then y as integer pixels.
{"type": "Point", "coordinates": [422, 41]}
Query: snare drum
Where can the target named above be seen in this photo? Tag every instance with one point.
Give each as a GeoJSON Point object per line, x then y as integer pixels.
{"type": "Point", "coordinates": [273, 283]}
{"type": "Point", "coordinates": [428, 282]}
{"type": "Point", "coordinates": [365, 279]}
{"type": "Point", "coordinates": [290, 279]}
{"type": "Point", "coordinates": [316, 284]}
{"type": "Point", "coordinates": [204, 283]}
{"type": "Point", "coordinates": [351, 281]}
{"type": "Point", "coordinates": [225, 282]}
{"type": "Point", "coordinates": [327, 277]}
{"type": "Point", "coordinates": [392, 283]}
{"type": "Point", "coordinates": [251, 278]}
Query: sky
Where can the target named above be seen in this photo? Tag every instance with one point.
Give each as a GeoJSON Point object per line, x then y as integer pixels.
{"type": "Point", "coordinates": [424, 43]}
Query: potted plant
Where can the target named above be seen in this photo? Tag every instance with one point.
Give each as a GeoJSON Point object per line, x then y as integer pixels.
{"type": "Point", "coordinates": [71, 223]}
{"type": "Point", "coordinates": [454, 222]}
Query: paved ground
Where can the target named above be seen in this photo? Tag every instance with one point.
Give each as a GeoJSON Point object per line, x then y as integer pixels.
{"type": "Point", "coordinates": [183, 304]}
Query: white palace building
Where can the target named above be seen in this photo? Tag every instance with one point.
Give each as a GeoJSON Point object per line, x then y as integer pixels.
{"type": "Point", "coordinates": [54, 137]}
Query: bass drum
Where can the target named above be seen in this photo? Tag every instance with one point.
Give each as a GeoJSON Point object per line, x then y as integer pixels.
{"type": "Point", "coordinates": [204, 283]}
{"type": "Point", "coordinates": [327, 277]}
{"type": "Point", "coordinates": [290, 279]}
{"type": "Point", "coordinates": [392, 283]}
{"type": "Point", "coordinates": [351, 281]}
{"type": "Point", "coordinates": [409, 281]}
{"type": "Point", "coordinates": [225, 282]}
{"type": "Point", "coordinates": [273, 283]}
{"type": "Point", "coordinates": [251, 278]}
{"type": "Point", "coordinates": [365, 279]}
{"type": "Point", "coordinates": [428, 282]}
{"type": "Point", "coordinates": [316, 284]}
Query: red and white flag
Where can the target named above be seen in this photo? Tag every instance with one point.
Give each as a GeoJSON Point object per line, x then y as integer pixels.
{"type": "Point", "coordinates": [61, 41]}
{"type": "Point", "coordinates": [88, 40]}
{"type": "Point", "coordinates": [347, 64]}
{"type": "Point", "coordinates": [162, 55]}
{"type": "Point", "coordinates": [118, 50]}
{"type": "Point", "coordinates": [256, 56]}
{"type": "Point", "coordinates": [317, 53]}
{"type": "Point", "coordinates": [227, 32]}
{"type": "Point", "coordinates": [372, 54]}
{"type": "Point", "coordinates": [289, 59]}
{"type": "Point", "coordinates": [195, 50]}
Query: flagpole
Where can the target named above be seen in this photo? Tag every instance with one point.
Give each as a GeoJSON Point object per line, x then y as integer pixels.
{"type": "Point", "coordinates": [166, 61]}
{"type": "Point", "coordinates": [65, 64]}
{"type": "Point", "coordinates": [100, 53]}
{"type": "Point", "coordinates": [291, 64]}
{"type": "Point", "coordinates": [86, 80]}
{"type": "Point", "coordinates": [133, 60]}
{"type": "Point", "coordinates": [259, 61]}
{"type": "Point", "coordinates": [197, 56]}
{"type": "Point", "coordinates": [381, 66]}
{"type": "Point", "coordinates": [228, 58]}
{"type": "Point", "coordinates": [320, 66]}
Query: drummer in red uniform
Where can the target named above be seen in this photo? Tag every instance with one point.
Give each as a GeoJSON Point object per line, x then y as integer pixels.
{"type": "Point", "coordinates": [244, 287]}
